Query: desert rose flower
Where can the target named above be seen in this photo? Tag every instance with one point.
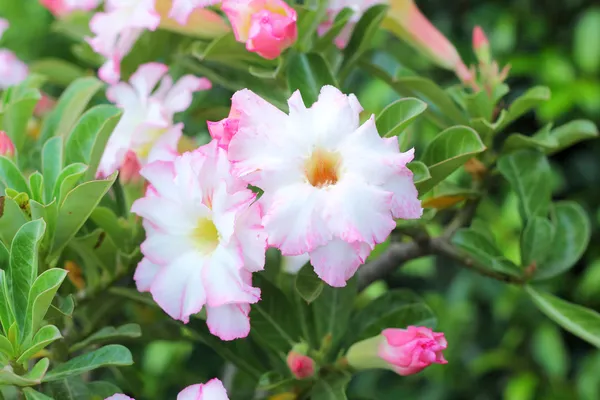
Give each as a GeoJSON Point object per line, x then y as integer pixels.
{"type": "Point", "coordinates": [332, 187]}
{"type": "Point", "coordinates": [117, 29]}
{"type": "Point", "coordinates": [12, 70]}
{"type": "Point", "coordinates": [119, 396]}
{"type": "Point", "coordinates": [301, 366]}
{"type": "Point", "coordinates": [211, 390]}
{"type": "Point", "coordinates": [63, 7]}
{"type": "Point", "coordinates": [7, 148]}
{"type": "Point", "coordinates": [358, 8]}
{"type": "Point", "coordinates": [146, 127]}
{"type": "Point", "coordinates": [405, 351]}
{"type": "Point", "coordinates": [266, 26]}
{"type": "Point", "coordinates": [204, 238]}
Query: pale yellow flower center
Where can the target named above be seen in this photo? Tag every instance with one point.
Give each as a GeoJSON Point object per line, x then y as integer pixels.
{"type": "Point", "coordinates": [206, 235]}
{"type": "Point", "coordinates": [322, 168]}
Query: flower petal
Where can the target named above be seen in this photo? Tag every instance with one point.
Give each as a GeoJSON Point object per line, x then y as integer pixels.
{"type": "Point", "coordinates": [229, 321]}
{"type": "Point", "coordinates": [338, 261]}
{"type": "Point", "coordinates": [144, 275]}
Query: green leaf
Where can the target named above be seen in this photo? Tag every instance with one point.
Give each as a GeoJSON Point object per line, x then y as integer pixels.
{"type": "Point", "coordinates": [6, 346]}
{"type": "Point", "coordinates": [572, 235]}
{"type": "Point", "coordinates": [331, 387]}
{"type": "Point", "coordinates": [36, 184]}
{"type": "Point", "coordinates": [12, 217]}
{"type": "Point", "coordinates": [536, 240]}
{"type": "Point", "coordinates": [447, 152]}
{"type": "Point", "coordinates": [395, 309]}
{"type": "Point", "coordinates": [6, 314]}
{"type": "Point", "coordinates": [32, 378]}
{"type": "Point", "coordinates": [340, 21]}
{"type": "Point", "coordinates": [73, 388]}
{"type": "Point", "coordinates": [40, 297]}
{"type": "Point", "coordinates": [309, 18]}
{"type": "Point", "coordinates": [69, 107]}
{"type": "Point", "coordinates": [109, 333]}
{"type": "Point", "coordinates": [542, 140]}
{"type": "Point", "coordinates": [308, 285]}
{"type": "Point", "coordinates": [88, 139]}
{"type": "Point", "coordinates": [479, 105]}
{"type": "Point", "coordinates": [50, 214]}
{"type": "Point", "coordinates": [332, 311]}
{"type": "Point", "coordinates": [227, 50]}
{"type": "Point", "coordinates": [24, 267]}
{"type": "Point", "coordinates": [578, 320]}
{"type": "Point", "coordinates": [272, 323]}
{"type": "Point", "coordinates": [15, 116]}
{"type": "Point", "coordinates": [309, 73]}
{"type": "Point", "coordinates": [77, 207]}
{"type": "Point", "coordinates": [548, 349]}
{"type": "Point", "coordinates": [57, 71]}
{"type": "Point", "coordinates": [482, 249]}
{"type": "Point", "coordinates": [572, 132]}
{"type": "Point", "coordinates": [420, 171]}
{"type": "Point", "coordinates": [113, 354]}
{"type": "Point", "coordinates": [31, 394]}
{"type": "Point", "coordinates": [11, 177]}
{"type": "Point", "coordinates": [41, 340]}
{"type": "Point", "coordinates": [114, 226]}
{"type": "Point", "coordinates": [586, 45]}
{"type": "Point", "coordinates": [529, 174]}
{"type": "Point", "coordinates": [361, 38]}
{"type": "Point", "coordinates": [525, 103]}
{"type": "Point", "coordinates": [394, 119]}
{"type": "Point", "coordinates": [103, 389]}
{"type": "Point", "coordinates": [67, 180]}
{"type": "Point", "coordinates": [52, 164]}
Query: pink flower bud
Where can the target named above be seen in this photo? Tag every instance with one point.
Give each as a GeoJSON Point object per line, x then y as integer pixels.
{"type": "Point", "coordinates": [266, 26]}
{"type": "Point", "coordinates": [7, 148]}
{"type": "Point", "coordinates": [405, 351]}
{"type": "Point", "coordinates": [224, 129]}
{"type": "Point", "coordinates": [44, 105]}
{"type": "Point", "coordinates": [130, 169]}
{"type": "Point", "coordinates": [302, 366]}
{"type": "Point", "coordinates": [481, 45]}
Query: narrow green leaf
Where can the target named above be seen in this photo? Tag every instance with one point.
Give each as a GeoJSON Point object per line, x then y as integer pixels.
{"type": "Point", "coordinates": [41, 340]}
{"type": "Point", "coordinates": [536, 241]}
{"type": "Point", "coordinates": [77, 207]}
{"type": "Point", "coordinates": [24, 267]}
{"type": "Point", "coordinates": [11, 177]}
{"type": "Point", "coordinates": [113, 354]}
{"type": "Point", "coordinates": [525, 103]}
{"type": "Point", "coordinates": [309, 73]}
{"type": "Point", "coordinates": [87, 140]}
{"type": "Point", "coordinates": [529, 174]}
{"type": "Point", "coordinates": [308, 285]}
{"type": "Point", "coordinates": [109, 333]}
{"type": "Point", "coordinates": [40, 297]}
{"type": "Point", "coordinates": [70, 106]}
{"type": "Point", "coordinates": [31, 394]}
{"type": "Point", "coordinates": [396, 117]}
{"type": "Point", "coordinates": [52, 164]}
{"type": "Point", "coordinates": [578, 320]}
{"type": "Point", "coordinates": [6, 314]}
{"type": "Point", "coordinates": [572, 132]}
{"type": "Point", "coordinates": [571, 238]}
{"type": "Point", "coordinates": [447, 152]}
{"type": "Point", "coordinates": [67, 179]}
{"type": "Point", "coordinates": [36, 185]}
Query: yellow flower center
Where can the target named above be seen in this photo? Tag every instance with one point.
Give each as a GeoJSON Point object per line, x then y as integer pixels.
{"type": "Point", "coordinates": [206, 235]}
{"type": "Point", "coordinates": [151, 137]}
{"type": "Point", "coordinates": [322, 168]}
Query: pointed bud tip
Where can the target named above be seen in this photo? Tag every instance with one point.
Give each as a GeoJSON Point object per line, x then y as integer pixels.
{"type": "Point", "coordinates": [7, 147]}
{"type": "Point", "coordinates": [479, 38]}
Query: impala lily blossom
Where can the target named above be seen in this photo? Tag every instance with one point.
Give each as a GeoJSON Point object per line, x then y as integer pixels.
{"type": "Point", "coordinates": [146, 127]}
{"type": "Point", "coordinates": [204, 239]}
{"type": "Point", "coordinates": [211, 390]}
{"type": "Point", "coordinates": [332, 188]}
{"type": "Point", "coordinates": [63, 7]}
{"type": "Point", "coordinates": [266, 26]}
{"type": "Point", "coordinates": [12, 70]}
{"type": "Point", "coordinates": [117, 29]}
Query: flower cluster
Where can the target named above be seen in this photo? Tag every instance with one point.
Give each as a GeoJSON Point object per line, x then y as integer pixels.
{"type": "Point", "coordinates": [12, 70]}
{"type": "Point", "coordinates": [211, 390]}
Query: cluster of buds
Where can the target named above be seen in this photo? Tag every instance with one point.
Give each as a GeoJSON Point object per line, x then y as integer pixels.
{"type": "Point", "coordinates": [489, 72]}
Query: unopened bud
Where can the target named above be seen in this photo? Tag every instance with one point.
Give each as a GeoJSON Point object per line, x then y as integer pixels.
{"type": "Point", "coordinates": [130, 170]}
{"type": "Point", "coordinates": [7, 148]}
{"type": "Point", "coordinates": [302, 366]}
{"type": "Point", "coordinates": [481, 46]}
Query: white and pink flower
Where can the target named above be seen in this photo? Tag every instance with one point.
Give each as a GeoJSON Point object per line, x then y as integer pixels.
{"type": "Point", "coordinates": [117, 29]}
{"type": "Point", "coordinates": [12, 70]}
{"type": "Point", "coordinates": [146, 128]}
{"type": "Point", "coordinates": [332, 187]}
{"type": "Point", "coordinates": [211, 390]}
{"type": "Point", "coordinates": [204, 239]}
{"type": "Point", "coordinates": [64, 7]}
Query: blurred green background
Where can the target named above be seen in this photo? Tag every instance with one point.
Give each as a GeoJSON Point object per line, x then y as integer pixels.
{"type": "Point", "coordinates": [501, 347]}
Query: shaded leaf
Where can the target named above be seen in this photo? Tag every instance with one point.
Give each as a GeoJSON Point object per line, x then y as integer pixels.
{"type": "Point", "coordinates": [332, 310]}
{"type": "Point", "coordinates": [41, 340]}
{"type": "Point", "coordinates": [11, 177]}
{"type": "Point", "coordinates": [309, 73]}
{"type": "Point", "coordinates": [394, 119]}
{"type": "Point", "coordinates": [536, 240]}
{"type": "Point", "coordinates": [331, 387]}
{"type": "Point", "coordinates": [525, 103]}
{"type": "Point", "coordinates": [308, 285]}
{"type": "Point", "coordinates": [40, 297]}
{"type": "Point", "coordinates": [52, 164]}
{"type": "Point", "coordinates": [109, 333]}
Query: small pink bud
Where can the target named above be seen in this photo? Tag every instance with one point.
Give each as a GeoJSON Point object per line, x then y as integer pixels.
{"type": "Point", "coordinates": [225, 129]}
{"type": "Point", "coordinates": [44, 106]}
{"type": "Point", "coordinates": [481, 45]}
{"type": "Point", "coordinates": [7, 148]}
{"type": "Point", "coordinates": [302, 366]}
{"type": "Point", "coordinates": [405, 351]}
{"type": "Point", "coordinates": [130, 169]}
{"type": "Point", "coordinates": [266, 26]}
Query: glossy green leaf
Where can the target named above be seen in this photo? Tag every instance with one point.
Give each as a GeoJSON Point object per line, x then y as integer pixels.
{"type": "Point", "coordinates": [40, 297]}
{"type": "Point", "coordinates": [572, 132]}
{"type": "Point", "coordinates": [11, 177]}
{"type": "Point", "coordinates": [103, 389]}
{"type": "Point", "coordinates": [332, 310]}
{"type": "Point", "coordinates": [6, 346]}
{"type": "Point", "coordinates": [578, 320]}
{"type": "Point", "coordinates": [525, 103]}
{"type": "Point", "coordinates": [536, 241]}
{"type": "Point", "coordinates": [16, 115]}
{"type": "Point", "coordinates": [41, 340]}
{"type": "Point", "coordinates": [420, 171]}
{"type": "Point", "coordinates": [67, 179]}
{"type": "Point", "coordinates": [309, 73]}
{"type": "Point", "coordinates": [529, 175]}
{"type": "Point", "coordinates": [114, 226]}
{"type": "Point", "coordinates": [109, 333]}
{"type": "Point", "coordinates": [486, 252]}
{"type": "Point", "coordinates": [31, 394]}
{"type": "Point", "coordinates": [572, 235]}
{"type": "Point", "coordinates": [77, 207]}
{"type": "Point", "coordinates": [69, 107]}
{"type": "Point", "coordinates": [447, 152]}
{"type": "Point", "coordinates": [308, 285]}
{"type": "Point", "coordinates": [23, 267]}
{"type": "Point", "coordinates": [310, 15]}
{"type": "Point", "coordinates": [52, 164]}
{"type": "Point", "coordinates": [331, 387]}
{"type": "Point", "coordinates": [227, 50]}
{"type": "Point", "coordinates": [396, 117]}
{"type": "Point", "coordinates": [542, 140]}
{"type": "Point", "coordinates": [6, 315]}
{"type": "Point", "coordinates": [50, 214]}
{"type": "Point", "coordinates": [87, 140]}
{"type": "Point", "coordinates": [32, 378]}
{"type": "Point", "coordinates": [36, 185]}
{"type": "Point", "coordinates": [113, 354]}
{"type": "Point", "coordinates": [479, 105]}
{"type": "Point", "coordinates": [12, 217]}
{"type": "Point", "coordinates": [394, 309]}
